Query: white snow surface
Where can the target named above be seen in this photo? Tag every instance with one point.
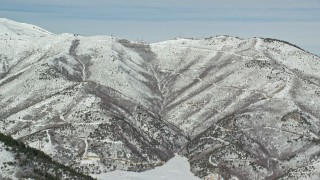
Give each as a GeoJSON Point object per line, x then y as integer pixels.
{"type": "Point", "coordinates": [9, 27]}
{"type": "Point", "coordinates": [7, 171]}
{"type": "Point", "coordinates": [177, 168]}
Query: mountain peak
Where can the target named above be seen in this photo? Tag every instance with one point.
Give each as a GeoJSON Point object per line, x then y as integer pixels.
{"type": "Point", "coordinates": [13, 29]}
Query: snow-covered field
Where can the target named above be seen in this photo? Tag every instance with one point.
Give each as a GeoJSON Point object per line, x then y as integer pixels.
{"type": "Point", "coordinates": [6, 157]}
{"type": "Point", "coordinates": [177, 168]}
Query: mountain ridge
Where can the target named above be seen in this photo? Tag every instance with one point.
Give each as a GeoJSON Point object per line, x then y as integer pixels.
{"type": "Point", "coordinates": [100, 103]}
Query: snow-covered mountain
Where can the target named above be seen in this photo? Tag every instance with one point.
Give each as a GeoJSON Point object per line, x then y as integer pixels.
{"type": "Point", "coordinates": [242, 108]}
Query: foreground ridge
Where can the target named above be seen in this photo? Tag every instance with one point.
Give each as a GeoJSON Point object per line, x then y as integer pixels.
{"type": "Point", "coordinates": [28, 162]}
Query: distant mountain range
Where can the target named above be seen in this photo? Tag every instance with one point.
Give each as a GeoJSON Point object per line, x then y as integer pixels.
{"type": "Point", "coordinates": [236, 108]}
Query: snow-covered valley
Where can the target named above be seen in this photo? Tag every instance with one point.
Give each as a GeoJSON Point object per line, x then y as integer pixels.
{"type": "Point", "coordinates": [176, 168]}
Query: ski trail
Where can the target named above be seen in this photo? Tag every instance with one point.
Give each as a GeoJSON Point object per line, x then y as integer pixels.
{"type": "Point", "coordinates": [258, 44]}
{"type": "Point", "coordinates": [86, 148]}
{"type": "Point", "coordinates": [49, 137]}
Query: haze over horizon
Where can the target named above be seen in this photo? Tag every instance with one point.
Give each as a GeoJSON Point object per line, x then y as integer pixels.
{"type": "Point", "coordinates": [152, 21]}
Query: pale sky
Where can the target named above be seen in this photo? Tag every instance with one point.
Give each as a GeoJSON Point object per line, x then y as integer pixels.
{"type": "Point", "coordinates": [296, 21]}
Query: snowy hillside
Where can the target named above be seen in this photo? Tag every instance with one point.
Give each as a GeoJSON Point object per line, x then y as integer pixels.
{"type": "Point", "coordinates": [18, 161]}
{"type": "Point", "coordinates": [242, 108]}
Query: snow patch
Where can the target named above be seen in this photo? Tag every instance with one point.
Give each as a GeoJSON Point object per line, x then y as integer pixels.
{"type": "Point", "coordinates": [176, 168]}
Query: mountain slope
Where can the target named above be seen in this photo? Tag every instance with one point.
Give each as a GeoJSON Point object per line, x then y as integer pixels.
{"type": "Point", "coordinates": [100, 103]}
{"type": "Point", "coordinates": [12, 28]}
{"type": "Point", "coordinates": [22, 162]}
